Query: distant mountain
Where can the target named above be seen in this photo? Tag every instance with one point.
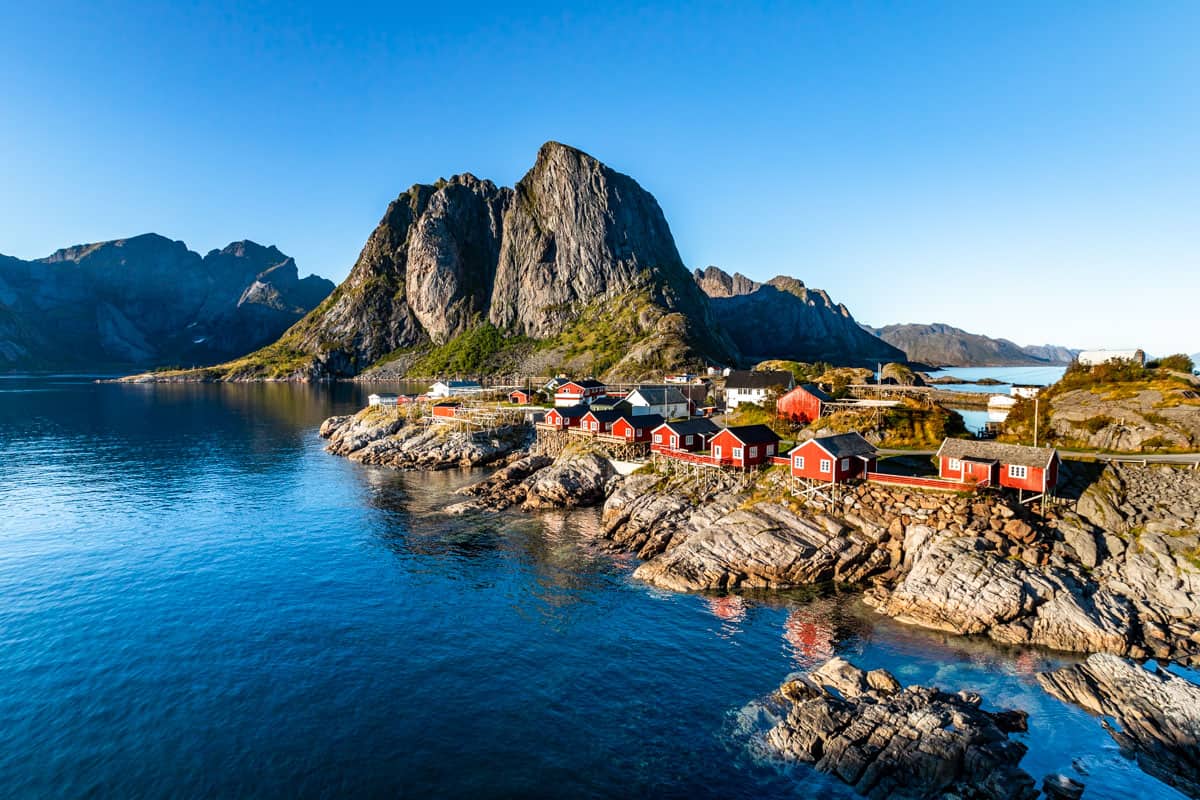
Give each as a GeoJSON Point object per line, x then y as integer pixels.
{"type": "Point", "coordinates": [784, 319]}
{"type": "Point", "coordinates": [940, 345]}
{"type": "Point", "coordinates": [147, 301]}
{"type": "Point", "coordinates": [573, 268]}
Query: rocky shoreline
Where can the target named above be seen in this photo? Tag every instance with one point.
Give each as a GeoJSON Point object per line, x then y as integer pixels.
{"type": "Point", "coordinates": [1115, 570]}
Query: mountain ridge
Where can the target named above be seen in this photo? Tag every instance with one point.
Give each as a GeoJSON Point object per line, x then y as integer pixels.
{"type": "Point", "coordinates": [147, 300]}
{"type": "Point", "coordinates": [938, 344]}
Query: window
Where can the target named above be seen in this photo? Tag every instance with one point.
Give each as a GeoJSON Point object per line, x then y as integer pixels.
{"type": "Point", "coordinates": [658, 438]}
{"type": "Point", "coordinates": [799, 462]}
{"type": "Point", "coordinates": [826, 465]}
{"type": "Point", "coordinates": [754, 452]}
{"type": "Point", "coordinates": [955, 464]}
{"type": "Point", "coordinates": [1018, 471]}
{"type": "Point", "coordinates": [770, 449]}
{"type": "Point", "coordinates": [845, 464]}
{"type": "Point", "coordinates": [737, 452]}
{"type": "Point", "coordinates": [674, 441]}
{"type": "Point", "coordinates": [717, 451]}
{"type": "Point", "coordinates": [688, 439]}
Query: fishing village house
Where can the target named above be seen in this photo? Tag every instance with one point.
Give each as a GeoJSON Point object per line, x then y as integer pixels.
{"type": "Point", "coordinates": [599, 421]}
{"type": "Point", "coordinates": [446, 408]}
{"type": "Point", "coordinates": [581, 392]}
{"type": "Point", "coordinates": [691, 435]}
{"type": "Point", "coordinates": [833, 459]}
{"type": "Point", "coordinates": [636, 427]}
{"type": "Point", "coordinates": [666, 401]}
{"type": "Point", "coordinates": [383, 399]}
{"type": "Point", "coordinates": [747, 386]}
{"type": "Point", "coordinates": [990, 463]}
{"type": "Point", "coordinates": [803, 404]}
{"type": "Point", "coordinates": [564, 418]}
{"type": "Point", "coordinates": [454, 388]}
{"type": "Point", "coordinates": [744, 446]}
{"type": "Point", "coordinates": [520, 397]}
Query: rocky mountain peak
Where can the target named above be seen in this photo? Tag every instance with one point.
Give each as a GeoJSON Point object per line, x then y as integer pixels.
{"type": "Point", "coordinates": [715, 282]}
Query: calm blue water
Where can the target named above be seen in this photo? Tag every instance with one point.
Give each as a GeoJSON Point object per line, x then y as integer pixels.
{"type": "Point", "coordinates": [1033, 376]}
{"type": "Point", "coordinates": [196, 600]}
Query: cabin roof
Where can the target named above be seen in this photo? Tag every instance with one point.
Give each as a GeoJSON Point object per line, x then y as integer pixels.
{"type": "Point", "coordinates": [684, 427]}
{"type": "Point", "coordinates": [571, 412]}
{"type": "Point", "coordinates": [842, 445]}
{"type": "Point", "coordinates": [758, 379]}
{"type": "Point", "coordinates": [753, 434]}
{"type": "Point", "coordinates": [642, 421]}
{"type": "Point", "coordinates": [586, 383]}
{"type": "Point", "coordinates": [815, 391]}
{"type": "Point", "coordinates": [985, 450]}
{"type": "Point", "coordinates": [659, 395]}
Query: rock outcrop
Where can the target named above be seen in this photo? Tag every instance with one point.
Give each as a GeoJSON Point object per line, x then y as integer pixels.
{"type": "Point", "coordinates": [890, 742]}
{"type": "Point", "coordinates": [574, 243]}
{"type": "Point", "coordinates": [784, 319]}
{"type": "Point", "coordinates": [148, 301]}
{"type": "Point", "coordinates": [1155, 716]}
{"type": "Point", "coordinates": [386, 437]}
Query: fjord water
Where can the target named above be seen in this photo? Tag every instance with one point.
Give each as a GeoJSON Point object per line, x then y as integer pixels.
{"type": "Point", "coordinates": [196, 600]}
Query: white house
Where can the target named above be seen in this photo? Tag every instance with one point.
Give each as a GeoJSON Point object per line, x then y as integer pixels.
{"type": "Point", "coordinates": [383, 399]}
{"type": "Point", "coordinates": [454, 388]}
{"type": "Point", "coordinates": [746, 386]}
{"type": "Point", "coordinates": [574, 393]}
{"type": "Point", "coordinates": [666, 401]}
{"type": "Point", "coordinates": [1025, 390]}
{"type": "Point", "coordinates": [1091, 358]}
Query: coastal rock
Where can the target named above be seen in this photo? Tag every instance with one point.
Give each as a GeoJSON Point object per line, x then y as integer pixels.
{"type": "Point", "coordinates": [1155, 715]}
{"type": "Point", "coordinates": [914, 742]}
{"type": "Point", "coordinates": [386, 437]}
{"type": "Point", "coordinates": [504, 488]}
{"type": "Point", "coordinates": [575, 479]}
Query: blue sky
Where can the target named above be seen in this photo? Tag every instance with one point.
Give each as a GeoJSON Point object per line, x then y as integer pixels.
{"type": "Point", "coordinates": [1028, 170]}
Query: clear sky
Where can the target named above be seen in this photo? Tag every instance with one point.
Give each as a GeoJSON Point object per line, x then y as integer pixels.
{"type": "Point", "coordinates": [1027, 170]}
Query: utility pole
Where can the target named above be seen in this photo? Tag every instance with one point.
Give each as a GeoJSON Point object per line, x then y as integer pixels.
{"type": "Point", "coordinates": [1035, 420]}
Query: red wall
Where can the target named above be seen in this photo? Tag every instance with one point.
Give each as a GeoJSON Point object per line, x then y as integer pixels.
{"type": "Point", "coordinates": [626, 431]}
{"type": "Point", "coordinates": [1032, 482]}
{"type": "Point", "coordinates": [799, 406]}
{"type": "Point", "coordinates": [813, 455]}
{"type": "Point", "coordinates": [557, 420]}
{"type": "Point", "coordinates": [698, 441]}
{"type": "Point", "coordinates": [727, 441]}
{"type": "Point", "coordinates": [444, 411]}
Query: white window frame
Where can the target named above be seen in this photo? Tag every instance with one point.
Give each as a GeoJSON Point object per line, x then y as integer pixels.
{"type": "Point", "coordinates": [689, 439]}
{"type": "Point", "coordinates": [1018, 471]}
{"type": "Point", "coordinates": [717, 451]}
{"type": "Point", "coordinates": [737, 452]}
{"type": "Point", "coordinates": [845, 465]}
{"type": "Point", "coordinates": [658, 438]}
{"type": "Point", "coordinates": [799, 461]}
{"type": "Point", "coordinates": [826, 465]}
{"type": "Point", "coordinates": [770, 450]}
{"type": "Point", "coordinates": [955, 465]}
{"type": "Point", "coordinates": [753, 452]}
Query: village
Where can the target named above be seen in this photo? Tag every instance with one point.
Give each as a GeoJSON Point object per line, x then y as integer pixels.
{"type": "Point", "coordinates": [682, 424]}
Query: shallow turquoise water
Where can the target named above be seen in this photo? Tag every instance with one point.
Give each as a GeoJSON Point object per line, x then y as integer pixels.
{"type": "Point", "coordinates": [196, 600]}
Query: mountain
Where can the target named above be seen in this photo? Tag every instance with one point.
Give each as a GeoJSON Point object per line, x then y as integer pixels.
{"type": "Point", "coordinates": [573, 268]}
{"type": "Point", "coordinates": [147, 301]}
{"type": "Point", "coordinates": [782, 318]}
{"type": "Point", "coordinates": [941, 345]}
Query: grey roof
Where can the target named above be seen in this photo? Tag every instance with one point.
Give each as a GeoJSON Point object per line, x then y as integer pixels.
{"type": "Point", "coordinates": [640, 421]}
{"type": "Point", "coordinates": [844, 445]}
{"type": "Point", "coordinates": [660, 395]}
{"type": "Point", "coordinates": [986, 450]}
{"type": "Point", "coordinates": [586, 383]}
{"type": "Point", "coordinates": [702, 425]}
{"type": "Point", "coordinates": [754, 434]}
{"type": "Point", "coordinates": [758, 379]}
{"type": "Point", "coordinates": [571, 412]}
{"type": "Point", "coordinates": [462, 384]}
{"type": "Point", "coordinates": [606, 416]}
{"type": "Point", "coordinates": [815, 391]}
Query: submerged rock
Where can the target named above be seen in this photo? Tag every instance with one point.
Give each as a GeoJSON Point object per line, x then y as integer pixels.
{"type": "Point", "coordinates": [1155, 715]}
{"type": "Point", "coordinates": [888, 742]}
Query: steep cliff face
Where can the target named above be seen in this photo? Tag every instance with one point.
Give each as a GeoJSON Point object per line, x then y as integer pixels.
{"type": "Point", "coordinates": [575, 265]}
{"type": "Point", "coordinates": [147, 300]}
{"type": "Point", "coordinates": [943, 345]}
{"type": "Point", "coordinates": [785, 319]}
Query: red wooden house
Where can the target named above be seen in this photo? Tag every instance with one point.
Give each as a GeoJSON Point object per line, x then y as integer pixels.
{"type": "Point", "coordinates": [691, 435]}
{"type": "Point", "coordinates": [563, 418]}
{"type": "Point", "coordinates": [636, 427]}
{"type": "Point", "coordinates": [744, 446]}
{"type": "Point", "coordinates": [446, 408]}
{"type": "Point", "coordinates": [578, 393]}
{"type": "Point", "coordinates": [520, 397]}
{"type": "Point", "coordinates": [989, 463]}
{"type": "Point", "coordinates": [599, 421]}
{"type": "Point", "coordinates": [802, 404]}
{"type": "Point", "coordinates": [833, 459]}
